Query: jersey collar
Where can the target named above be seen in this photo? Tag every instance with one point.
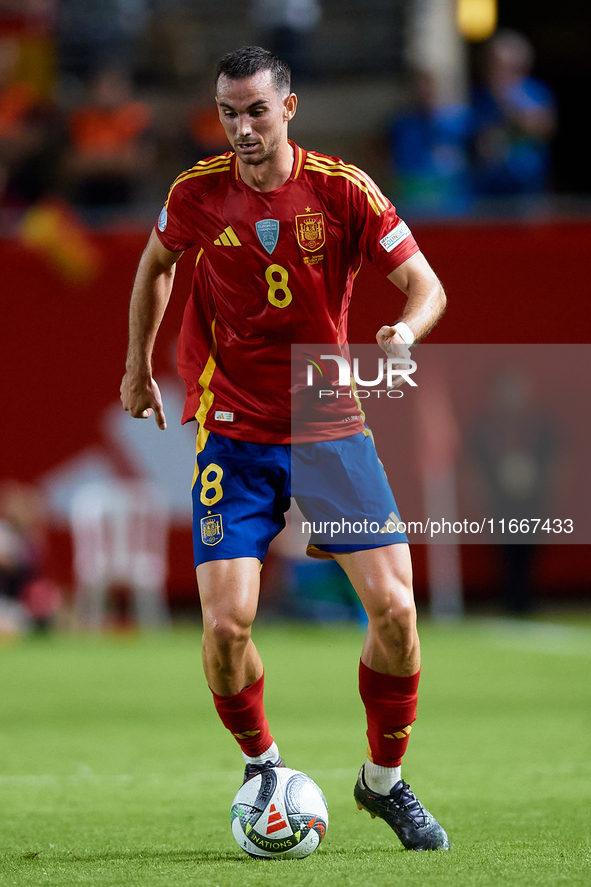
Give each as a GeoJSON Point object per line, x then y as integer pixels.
{"type": "Point", "coordinates": [298, 160]}
{"type": "Point", "coordinates": [299, 157]}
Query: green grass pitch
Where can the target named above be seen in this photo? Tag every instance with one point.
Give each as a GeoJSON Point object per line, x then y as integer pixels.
{"type": "Point", "coordinates": [114, 769]}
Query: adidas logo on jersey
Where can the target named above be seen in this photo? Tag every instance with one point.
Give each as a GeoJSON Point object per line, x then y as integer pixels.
{"type": "Point", "coordinates": [227, 238]}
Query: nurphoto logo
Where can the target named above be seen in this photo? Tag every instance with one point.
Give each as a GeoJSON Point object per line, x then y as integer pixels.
{"type": "Point", "coordinates": [392, 370]}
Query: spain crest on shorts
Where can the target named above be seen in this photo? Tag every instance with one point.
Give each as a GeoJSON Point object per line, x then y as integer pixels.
{"type": "Point", "coordinates": [212, 530]}
{"type": "Point", "coordinates": [310, 231]}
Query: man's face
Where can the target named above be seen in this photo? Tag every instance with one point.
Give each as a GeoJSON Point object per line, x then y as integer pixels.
{"type": "Point", "coordinates": [254, 115]}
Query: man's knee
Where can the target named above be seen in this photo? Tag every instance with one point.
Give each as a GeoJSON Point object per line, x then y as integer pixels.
{"type": "Point", "coordinates": [227, 633]}
{"type": "Point", "coordinates": [393, 611]}
{"type": "Point", "coordinates": [228, 591]}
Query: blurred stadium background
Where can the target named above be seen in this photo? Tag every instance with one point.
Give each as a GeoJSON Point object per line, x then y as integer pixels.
{"type": "Point", "coordinates": [103, 103]}
{"type": "Point", "coordinates": [107, 770]}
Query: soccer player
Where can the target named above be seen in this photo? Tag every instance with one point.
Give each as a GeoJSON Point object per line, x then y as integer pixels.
{"type": "Point", "coordinates": [280, 233]}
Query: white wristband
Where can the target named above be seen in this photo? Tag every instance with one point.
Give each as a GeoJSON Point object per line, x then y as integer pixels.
{"type": "Point", "coordinates": [405, 332]}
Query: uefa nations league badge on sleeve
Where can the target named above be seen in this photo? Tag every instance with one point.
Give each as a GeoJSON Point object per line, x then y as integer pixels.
{"type": "Point", "coordinates": [396, 236]}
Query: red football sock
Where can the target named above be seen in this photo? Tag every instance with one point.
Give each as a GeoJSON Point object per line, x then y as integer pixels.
{"type": "Point", "coordinates": [244, 716]}
{"type": "Point", "coordinates": [391, 707]}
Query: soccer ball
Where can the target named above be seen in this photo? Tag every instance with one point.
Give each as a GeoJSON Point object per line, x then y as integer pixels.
{"type": "Point", "coordinates": [279, 813]}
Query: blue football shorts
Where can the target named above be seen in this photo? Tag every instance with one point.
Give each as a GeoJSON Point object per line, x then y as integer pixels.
{"type": "Point", "coordinates": [241, 491]}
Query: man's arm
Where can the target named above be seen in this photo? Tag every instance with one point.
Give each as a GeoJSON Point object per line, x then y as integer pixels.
{"type": "Point", "coordinates": [140, 394]}
{"type": "Point", "coordinates": [425, 302]}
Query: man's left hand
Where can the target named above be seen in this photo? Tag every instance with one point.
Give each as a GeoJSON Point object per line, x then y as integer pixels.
{"type": "Point", "coordinates": [393, 345]}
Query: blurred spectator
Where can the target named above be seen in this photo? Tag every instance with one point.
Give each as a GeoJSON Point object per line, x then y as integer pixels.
{"type": "Point", "coordinates": [24, 592]}
{"type": "Point", "coordinates": [428, 152]}
{"type": "Point", "coordinates": [284, 27]}
{"type": "Point", "coordinates": [110, 143]}
{"type": "Point", "coordinates": [514, 119]}
{"type": "Point", "coordinates": [515, 448]}
{"type": "Point", "coordinates": [175, 51]}
{"type": "Point", "coordinates": [97, 33]}
{"type": "Point", "coordinates": [30, 134]}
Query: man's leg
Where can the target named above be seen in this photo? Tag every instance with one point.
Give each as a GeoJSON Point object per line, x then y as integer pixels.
{"type": "Point", "coordinates": [382, 577]}
{"type": "Point", "coordinates": [390, 659]}
{"type": "Point", "coordinates": [388, 682]}
{"type": "Point", "coordinates": [229, 593]}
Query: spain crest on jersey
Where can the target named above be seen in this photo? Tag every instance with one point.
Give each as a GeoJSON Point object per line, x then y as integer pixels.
{"type": "Point", "coordinates": [310, 231]}
{"type": "Point", "coordinates": [212, 530]}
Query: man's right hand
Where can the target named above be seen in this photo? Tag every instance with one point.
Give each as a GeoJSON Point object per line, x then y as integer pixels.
{"type": "Point", "coordinates": [141, 398]}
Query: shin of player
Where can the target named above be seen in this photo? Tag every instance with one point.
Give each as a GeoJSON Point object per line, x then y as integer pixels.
{"type": "Point", "coordinates": [389, 669]}
{"type": "Point", "coordinates": [233, 668]}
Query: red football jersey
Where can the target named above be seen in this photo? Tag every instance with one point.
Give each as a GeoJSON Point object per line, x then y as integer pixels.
{"type": "Point", "coordinates": [273, 268]}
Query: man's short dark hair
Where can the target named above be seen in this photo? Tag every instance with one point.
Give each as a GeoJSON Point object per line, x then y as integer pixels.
{"type": "Point", "coordinates": [250, 60]}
